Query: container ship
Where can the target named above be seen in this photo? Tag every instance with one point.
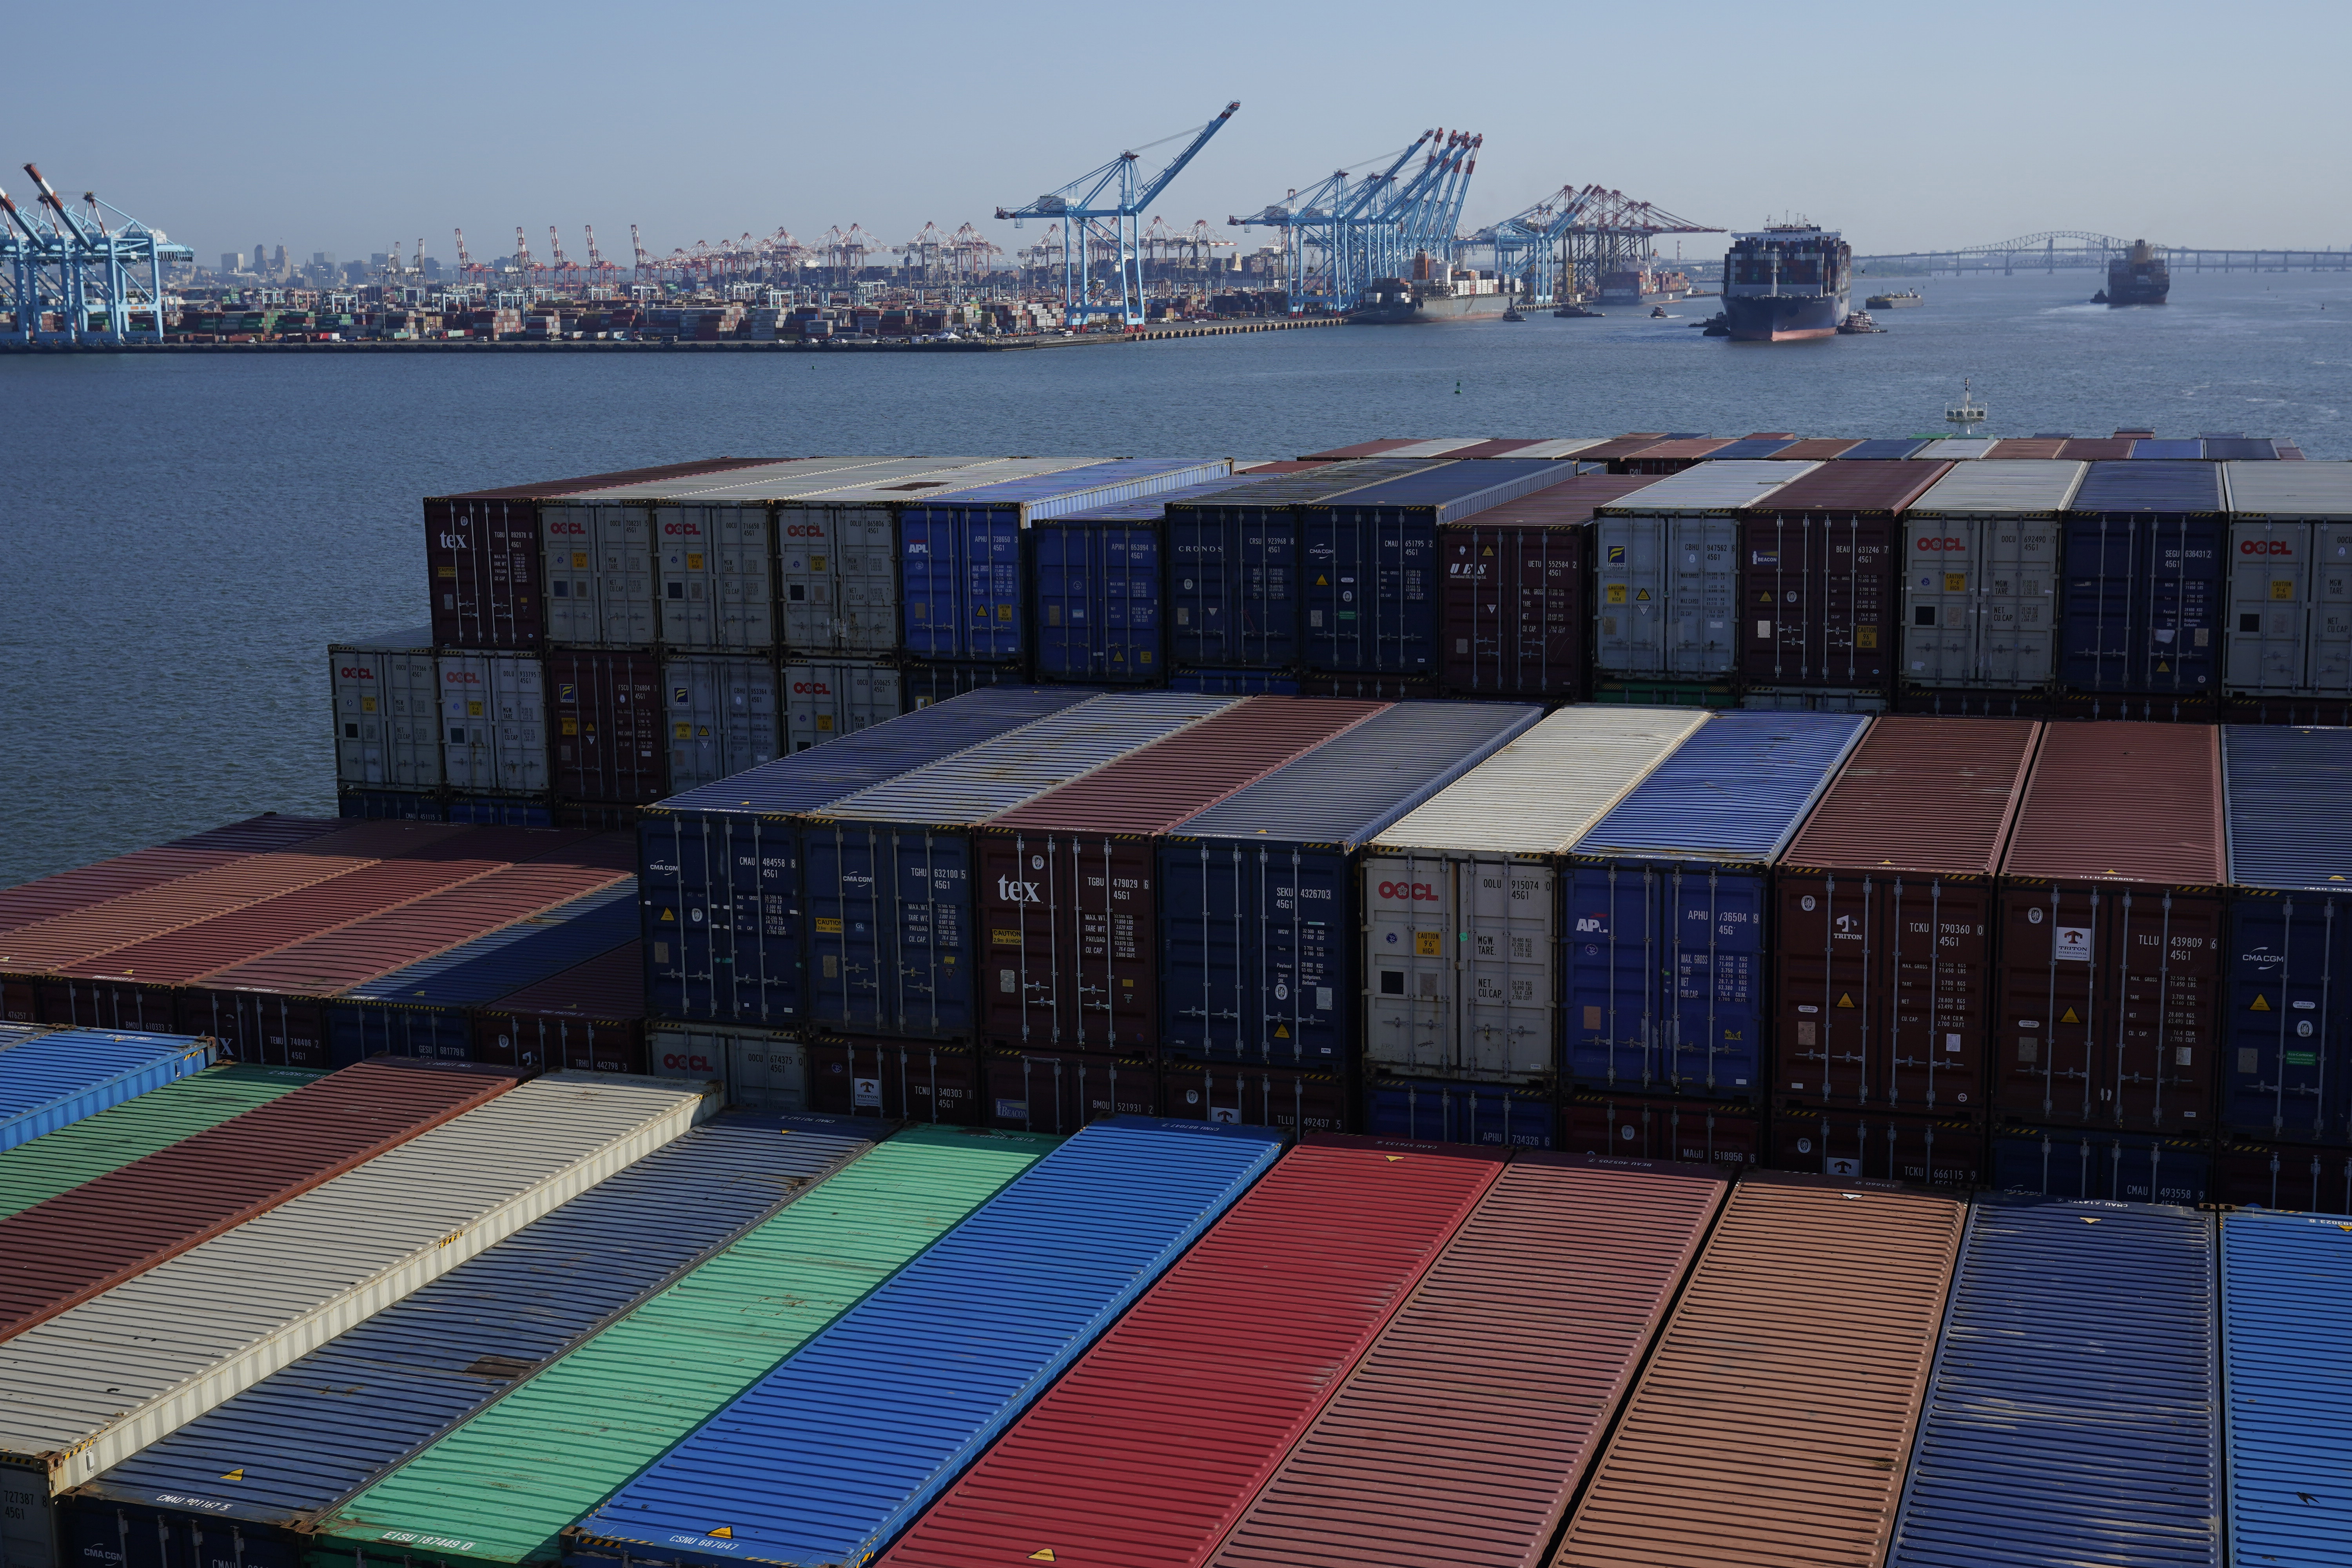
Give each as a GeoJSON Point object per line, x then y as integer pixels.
{"type": "Point", "coordinates": [2137, 277]}
{"type": "Point", "coordinates": [1436, 292]}
{"type": "Point", "coordinates": [1644, 287]}
{"type": "Point", "coordinates": [1786, 283]}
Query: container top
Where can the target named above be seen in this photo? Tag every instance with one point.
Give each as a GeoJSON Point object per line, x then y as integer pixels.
{"type": "Point", "coordinates": [1885, 488]}
{"type": "Point", "coordinates": [1817, 449]}
{"type": "Point", "coordinates": [804, 476]}
{"type": "Point", "coordinates": [810, 778]}
{"type": "Point", "coordinates": [1624, 446]}
{"type": "Point", "coordinates": [2013, 446]}
{"type": "Point", "coordinates": [1544, 791]}
{"type": "Point", "coordinates": [1152, 790]}
{"type": "Point", "coordinates": [2286, 791]}
{"type": "Point", "coordinates": [1347, 790]}
{"type": "Point", "coordinates": [1735, 792]}
{"type": "Point", "coordinates": [1710, 487]}
{"type": "Point", "coordinates": [1564, 447]}
{"type": "Point", "coordinates": [1753, 448]}
{"type": "Point", "coordinates": [2189, 449]}
{"type": "Point", "coordinates": [1439, 446]}
{"type": "Point", "coordinates": [608, 988]}
{"type": "Point", "coordinates": [411, 639]}
{"type": "Point", "coordinates": [1359, 449]}
{"type": "Point", "coordinates": [998, 775]}
{"type": "Point", "coordinates": [2003, 486]}
{"type": "Point", "coordinates": [1506, 447]}
{"type": "Point", "coordinates": [1097, 484]}
{"type": "Point", "coordinates": [1885, 449]}
{"type": "Point", "coordinates": [2157, 487]}
{"type": "Point", "coordinates": [2095, 448]}
{"type": "Point", "coordinates": [1148, 509]}
{"type": "Point", "coordinates": [61, 1161]}
{"type": "Point", "coordinates": [1683, 447]}
{"type": "Point", "coordinates": [1920, 794]}
{"type": "Point", "coordinates": [1958, 449]}
{"type": "Point", "coordinates": [2286, 1417]}
{"type": "Point", "coordinates": [669, 471]}
{"type": "Point", "coordinates": [85, 886]}
{"type": "Point", "coordinates": [1305, 486]}
{"type": "Point", "coordinates": [923, 479]}
{"type": "Point", "coordinates": [2315, 491]}
{"type": "Point", "coordinates": [1449, 490]}
{"type": "Point", "coordinates": [2122, 802]}
{"type": "Point", "coordinates": [40, 1077]}
{"type": "Point", "coordinates": [2239, 449]}
{"type": "Point", "coordinates": [1563, 505]}
{"type": "Point", "coordinates": [515, 955]}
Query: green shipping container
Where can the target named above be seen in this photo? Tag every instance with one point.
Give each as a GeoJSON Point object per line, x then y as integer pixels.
{"type": "Point", "coordinates": [63, 1160]}
{"type": "Point", "coordinates": [498, 1489]}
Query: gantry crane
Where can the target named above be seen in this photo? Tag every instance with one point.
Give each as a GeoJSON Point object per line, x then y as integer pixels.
{"type": "Point", "coordinates": [75, 271]}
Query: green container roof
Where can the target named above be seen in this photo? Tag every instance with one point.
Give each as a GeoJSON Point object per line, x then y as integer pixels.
{"type": "Point", "coordinates": [499, 1487]}
{"type": "Point", "coordinates": [63, 1160]}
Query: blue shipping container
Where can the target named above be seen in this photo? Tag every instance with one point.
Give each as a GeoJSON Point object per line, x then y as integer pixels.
{"type": "Point", "coordinates": [1235, 683]}
{"type": "Point", "coordinates": [718, 879]}
{"type": "Point", "coordinates": [56, 1077]}
{"type": "Point", "coordinates": [1462, 1113]}
{"type": "Point", "coordinates": [923, 682]}
{"type": "Point", "coordinates": [2073, 1414]}
{"type": "Point", "coordinates": [2238, 449]}
{"type": "Point", "coordinates": [1753, 448]}
{"type": "Point", "coordinates": [2286, 1316]}
{"type": "Point", "coordinates": [2190, 450]}
{"type": "Point", "coordinates": [1258, 922]}
{"type": "Point", "coordinates": [18, 1034]}
{"type": "Point", "coordinates": [499, 811]}
{"type": "Point", "coordinates": [908, 1387]}
{"type": "Point", "coordinates": [887, 872]}
{"type": "Point", "coordinates": [2123, 1167]}
{"type": "Point", "coordinates": [1883, 450]}
{"type": "Point", "coordinates": [390, 806]}
{"type": "Point", "coordinates": [367, 1400]}
{"type": "Point", "coordinates": [962, 559]}
{"type": "Point", "coordinates": [2141, 601]}
{"type": "Point", "coordinates": [1372, 584]}
{"type": "Point", "coordinates": [1663, 946]}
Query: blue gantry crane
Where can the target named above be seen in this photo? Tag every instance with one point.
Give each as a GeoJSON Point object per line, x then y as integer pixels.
{"type": "Point", "coordinates": [1578, 235]}
{"type": "Point", "coordinates": [70, 277]}
{"type": "Point", "coordinates": [1346, 233]}
{"type": "Point", "coordinates": [1098, 214]}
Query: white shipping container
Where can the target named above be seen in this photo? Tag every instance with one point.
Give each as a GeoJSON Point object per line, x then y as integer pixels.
{"type": "Point", "coordinates": [722, 717]}
{"type": "Point", "coordinates": [1461, 913]}
{"type": "Point", "coordinates": [2290, 614]}
{"type": "Point", "coordinates": [716, 571]}
{"type": "Point", "coordinates": [1980, 566]}
{"type": "Point", "coordinates": [494, 722]}
{"type": "Point", "coordinates": [826, 700]}
{"type": "Point", "coordinates": [599, 573]}
{"type": "Point", "coordinates": [1666, 588]}
{"type": "Point", "coordinates": [761, 1070]}
{"type": "Point", "coordinates": [100, 1381]}
{"type": "Point", "coordinates": [387, 712]}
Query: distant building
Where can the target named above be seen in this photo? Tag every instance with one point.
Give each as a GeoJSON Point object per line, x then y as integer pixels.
{"type": "Point", "coordinates": [232, 261]}
{"type": "Point", "coordinates": [277, 261]}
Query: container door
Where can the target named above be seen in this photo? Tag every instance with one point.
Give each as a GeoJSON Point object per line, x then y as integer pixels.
{"type": "Point", "coordinates": [993, 589]}
{"type": "Point", "coordinates": [571, 532]}
{"type": "Point", "coordinates": [1210, 945]}
{"type": "Point", "coordinates": [607, 742]}
{"type": "Point", "coordinates": [2013, 593]}
{"type": "Point", "coordinates": [1935, 973]}
{"type": "Point", "coordinates": [1399, 616]}
{"type": "Point", "coordinates": [827, 700]}
{"type": "Point", "coordinates": [2270, 609]}
{"type": "Point", "coordinates": [2045, 1052]}
{"type": "Point", "coordinates": [866, 578]}
{"type": "Point", "coordinates": [687, 557]}
{"type": "Point", "coordinates": [843, 882]}
{"type": "Point", "coordinates": [1631, 578]}
{"type": "Point", "coordinates": [2104, 556]}
{"type": "Point", "coordinates": [744, 588]}
{"type": "Point", "coordinates": [625, 576]}
{"type": "Point", "coordinates": [927, 572]}
{"type": "Point", "coordinates": [2184, 605]}
{"type": "Point", "coordinates": [468, 725]}
{"type": "Point", "coordinates": [675, 1051]}
{"type": "Point", "coordinates": [1856, 602]}
{"type": "Point", "coordinates": [1941, 600]}
{"type": "Point", "coordinates": [387, 719]}
{"type": "Point", "coordinates": [1775, 571]}
{"type": "Point", "coordinates": [925, 927]}
{"type": "Point", "coordinates": [1703, 596]}
{"type": "Point", "coordinates": [1609, 937]}
{"type": "Point", "coordinates": [1338, 551]}
{"type": "Point", "coordinates": [2283, 1075]}
{"type": "Point", "coordinates": [807, 556]}
{"type": "Point", "coordinates": [1409, 974]}
{"type": "Point", "coordinates": [722, 933]}
{"type": "Point", "coordinates": [1715, 949]}
{"type": "Point", "coordinates": [1302, 1013]}
{"type": "Point", "coordinates": [1069, 592]}
{"type": "Point", "coordinates": [519, 693]}
{"type": "Point", "coordinates": [1470, 619]}
{"type": "Point", "coordinates": [2166, 991]}
{"type": "Point", "coordinates": [1130, 610]}
{"type": "Point", "coordinates": [1069, 923]}
{"type": "Point", "coordinates": [1507, 969]}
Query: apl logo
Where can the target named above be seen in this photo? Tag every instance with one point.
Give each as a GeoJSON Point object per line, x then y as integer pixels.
{"type": "Point", "coordinates": [1419, 893]}
{"type": "Point", "coordinates": [1592, 923]}
{"type": "Point", "coordinates": [2264, 547]}
{"type": "Point", "coordinates": [1013, 892]}
{"type": "Point", "coordinates": [1943, 544]}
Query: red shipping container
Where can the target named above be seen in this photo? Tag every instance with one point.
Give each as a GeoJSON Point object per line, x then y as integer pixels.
{"type": "Point", "coordinates": [1931, 1151]}
{"type": "Point", "coordinates": [1492, 1387]}
{"type": "Point", "coordinates": [1298, 1102]}
{"type": "Point", "coordinates": [1363, 450]}
{"type": "Point", "coordinates": [1512, 620]}
{"type": "Point", "coordinates": [2112, 929]}
{"type": "Point", "coordinates": [1947, 702]}
{"type": "Point", "coordinates": [85, 886]}
{"type": "Point", "coordinates": [1816, 576]}
{"type": "Point", "coordinates": [1883, 963]}
{"type": "Point", "coordinates": [2044, 446]}
{"type": "Point", "coordinates": [604, 727]}
{"type": "Point", "coordinates": [1147, 1451]}
{"type": "Point", "coordinates": [1635, 1127]}
{"type": "Point", "coordinates": [69, 1249]}
{"type": "Point", "coordinates": [1502, 448]}
{"type": "Point", "coordinates": [2283, 1176]}
{"type": "Point", "coordinates": [1065, 883]}
{"type": "Point", "coordinates": [899, 1080]}
{"type": "Point", "coordinates": [2096, 450]}
{"type": "Point", "coordinates": [1666, 457]}
{"type": "Point", "coordinates": [591, 1017]}
{"type": "Point", "coordinates": [1617, 448]}
{"type": "Point", "coordinates": [1061, 1091]}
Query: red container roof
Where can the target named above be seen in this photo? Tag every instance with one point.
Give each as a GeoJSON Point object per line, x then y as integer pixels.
{"type": "Point", "coordinates": [2122, 802]}
{"type": "Point", "coordinates": [1560, 505]}
{"type": "Point", "coordinates": [70, 1247]}
{"type": "Point", "coordinates": [1932, 795]}
{"type": "Point", "coordinates": [1624, 446]}
{"type": "Point", "coordinates": [2027, 447]}
{"type": "Point", "coordinates": [86, 885]}
{"type": "Point", "coordinates": [2095, 449]}
{"type": "Point", "coordinates": [1687, 446]}
{"type": "Point", "coordinates": [1152, 790]}
{"type": "Point", "coordinates": [1817, 449]}
{"type": "Point", "coordinates": [547, 488]}
{"type": "Point", "coordinates": [1495, 448]}
{"type": "Point", "coordinates": [1857, 486]}
{"type": "Point", "coordinates": [609, 988]}
{"type": "Point", "coordinates": [1147, 1450]}
{"type": "Point", "coordinates": [1289, 466]}
{"type": "Point", "coordinates": [1463, 1431]}
{"type": "Point", "coordinates": [1364, 449]}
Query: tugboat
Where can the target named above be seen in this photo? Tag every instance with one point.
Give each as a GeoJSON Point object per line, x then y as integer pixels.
{"type": "Point", "coordinates": [1787, 282]}
{"type": "Point", "coordinates": [1657, 312]}
{"type": "Point", "coordinates": [1579, 311]}
{"type": "Point", "coordinates": [1512, 314]}
{"type": "Point", "coordinates": [2136, 278]}
{"type": "Point", "coordinates": [1858, 324]}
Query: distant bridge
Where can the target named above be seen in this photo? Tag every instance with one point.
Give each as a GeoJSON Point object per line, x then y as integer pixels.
{"type": "Point", "coordinates": [2057, 250]}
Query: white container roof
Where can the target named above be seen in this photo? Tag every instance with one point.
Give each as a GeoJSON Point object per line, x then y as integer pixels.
{"type": "Point", "coordinates": [1709, 487]}
{"type": "Point", "coordinates": [2005, 486]}
{"type": "Point", "coordinates": [1567, 446]}
{"type": "Point", "coordinates": [1438, 448]}
{"type": "Point", "coordinates": [1956, 448]}
{"type": "Point", "coordinates": [2290, 489]}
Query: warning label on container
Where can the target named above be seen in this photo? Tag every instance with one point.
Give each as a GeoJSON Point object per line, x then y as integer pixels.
{"type": "Point", "coordinates": [2070, 944]}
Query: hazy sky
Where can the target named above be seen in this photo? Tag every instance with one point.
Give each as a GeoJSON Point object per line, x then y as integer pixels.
{"type": "Point", "coordinates": [345, 128]}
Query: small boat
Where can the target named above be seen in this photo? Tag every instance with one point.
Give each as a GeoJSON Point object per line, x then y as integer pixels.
{"type": "Point", "coordinates": [1908, 297]}
{"type": "Point", "coordinates": [1577, 310]}
{"type": "Point", "coordinates": [1512, 314]}
{"type": "Point", "coordinates": [1657, 312]}
{"type": "Point", "coordinates": [1967, 411]}
{"type": "Point", "coordinates": [1858, 322]}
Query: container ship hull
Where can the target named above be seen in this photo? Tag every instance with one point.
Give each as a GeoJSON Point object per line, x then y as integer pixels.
{"type": "Point", "coordinates": [1431, 307]}
{"type": "Point", "coordinates": [1782, 318]}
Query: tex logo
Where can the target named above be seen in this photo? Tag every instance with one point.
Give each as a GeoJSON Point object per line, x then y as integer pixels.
{"type": "Point", "coordinates": [1017, 892]}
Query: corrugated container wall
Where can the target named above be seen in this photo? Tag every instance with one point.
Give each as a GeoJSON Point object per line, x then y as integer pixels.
{"type": "Point", "coordinates": [826, 701]}
{"type": "Point", "coordinates": [2286, 1311]}
{"type": "Point", "coordinates": [1516, 612]}
{"type": "Point", "coordinates": [494, 723]}
{"type": "Point", "coordinates": [605, 725]}
{"type": "Point", "coordinates": [591, 1018]}
{"type": "Point", "coordinates": [1099, 584]}
{"type": "Point", "coordinates": [1666, 568]}
{"type": "Point", "coordinates": [387, 696]}
{"type": "Point", "coordinates": [718, 717]}
{"type": "Point", "coordinates": [1460, 911]}
{"type": "Point", "coordinates": [1818, 576]}
{"type": "Point", "coordinates": [2142, 606]}
{"type": "Point", "coordinates": [142, 869]}
{"type": "Point", "coordinates": [1980, 569]}
{"type": "Point", "coordinates": [2290, 610]}
{"type": "Point", "coordinates": [57, 1079]}
{"type": "Point", "coordinates": [61, 1161]}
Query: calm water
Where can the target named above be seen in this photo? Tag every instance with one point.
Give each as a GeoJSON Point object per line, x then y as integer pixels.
{"type": "Point", "coordinates": [185, 535]}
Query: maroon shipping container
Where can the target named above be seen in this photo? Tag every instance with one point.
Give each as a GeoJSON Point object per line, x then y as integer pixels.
{"type": "Point", "coordinates": [1363, 450]}
{"type": "Point", "coordinates": [2283, 1176]}
{"type": "Point", "coordinates": [604, 727]}
{"type": "Point", "coordinates": [2043, 446]}
{"type": "Point", "coordinates": [483, 549]}
{"type": "Point", "coordinates": [1816, 576]}
{"type": "Point", "coordinates": [1497, 448]}
{"type": "Point", "coordinates": [591, 1017]}
{"type": "Point", "coordinates": [2096, 450]}
{"type": "Point", "coordinates": [1946, 702]}
{"type": "Point", "coordinates": [1296, 1101]}
{"type": "Point", "coordinates": [1512, 620]}
{"type": "Point", "coordinates": [1061, 1091]}
{"type": "Point", "coordinates": [1884, 977]}
{"type": "Point", "coordinates": [1066, 883]}
{"type": "Point", "coordinates": [2112, 931]}
{"type": "Point", "coordinates": [125, 874]}
{"type": "Point", "coordinates": [1621, 446]}
{"type": "Point", "coordinates": [70, 1247]}
{"type": "Point", "coordinates": [1464, 1431]}
{"type": "Point", "coordinates": [899, 1080]}
{"type": "Point", "coordinates": [2307, 712]}
{"type": "Point", "coordinates": [1817, 449]}
{"type": "Point", "coordinates": [1666, 457]}
{"type": "Point", "coordinates": [1640, 1127]}
{"type": "Point", "coordinates": [1934, 1151]}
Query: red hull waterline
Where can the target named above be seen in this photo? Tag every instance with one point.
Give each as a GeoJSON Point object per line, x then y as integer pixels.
{"type": "Point", "coordinates": [1794, 335]}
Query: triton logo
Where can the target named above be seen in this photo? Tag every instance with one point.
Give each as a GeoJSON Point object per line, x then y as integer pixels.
{"type": "Point", "coordinates": [1013, 892]}
{"type": "Point", "coordinates": [454, 541]}
{"type": "Point", "coordinates": [1420, 892]}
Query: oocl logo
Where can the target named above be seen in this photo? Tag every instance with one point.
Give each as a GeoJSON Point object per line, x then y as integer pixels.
{"type": "Point", "coordinates": [679, 1061]}
{"type": "Point", "coordinates": [1942, 544]}
{"type": "Point", "coordinates": [693, 530]}
{"type": "Point", "coordinates": [359, 674]}
{"type": "Point", "coordinates": [1417, 892]}
{"type": "Point", "coordinates": [567, 528]}
{"type": "Point", "coordinates": [2264, 547]}
{"type": "Point", "coordinates": [804, 530]}
{"type": "Point", "coordinates": [811, 688]}
{"type": "Point", "coordinates": [462, 678]}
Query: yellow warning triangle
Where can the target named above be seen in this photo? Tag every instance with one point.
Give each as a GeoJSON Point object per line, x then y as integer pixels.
{"type": "Point", "coordinates": [2261, 1004]}
{"type": "Point", "coordinates": [724, 1532]}
{"type": "Point", "coordinates": [667, 916]}
{"type": "Point", "coordinates": [1044, 1554]}
{"type": "Point", "coordinates": [2068, 1016]}
{"type": "Point", "coordinates": [2088, 1220]}
{"type": "Point", "coordinates": [1766, 599]}
{"type": "Point", "coordinates": [1845, 999]}
{"type": "Point", "coordinates": [1642, 593]}
{"type": "Point", "coordinates": [1282, 1031]}
{"type": "Point", "coordinates": [235, 1475]}
{"type": "Point", "coordinates": [2162, 667]}
{"type": "Point", "coordinates": [1320, 582]}
{"type": "Point", "coordinates": [1489, 550]}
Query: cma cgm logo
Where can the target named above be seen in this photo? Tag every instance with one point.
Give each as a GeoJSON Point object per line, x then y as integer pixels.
{"type": "Point", "coordinates": [1013, 892]}
{"type": "Point", "coordinates": [1942, 544]}
{"type": "Point", "coordinates": [811, 688]}
{"type": "Point", "coordinates": [2264, 547]}
{"type": "Point", "coordinates": [350, 674]}
{"type": "Point", "coordinates": [567, 528]}
{"type": "Point", "coordinates": [804, 530]}
{"type": "Point", "coordinates": [679, 1061]}
{"type": "Point", "coordinates": [1419, 893]}
{"type": "Point", "coordinates": [693, 530]}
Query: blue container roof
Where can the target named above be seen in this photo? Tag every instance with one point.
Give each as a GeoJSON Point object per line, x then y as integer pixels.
{"type": "Point", "coordinates": [2073, 1415]}
{"type": "Point", "coordinates": [2286, 1316]}
{"type": "Point", "coordinates": [60, 1064]}
{"type": "Point", "coordinates": [808, 779]}
{"type": "Point", "coordinates": [1346, 791]}
{"type": "Point", "coordinates": [1737, 789]}
{"type": "Point", "coordinates": [2238, 449]}
{"type": "Point", "coordinates": [2283, 792]}
{"type": "Point", "coordinates": [536, 948]}
{"type": "Point", "coordinates": [1280, 492]}
{"type": "Point", "coordinates": [904, 1388]}
{"type": "Point", "coordinates": [1451, 491]}
{"type": "Point", "coordinates": [1751, 448]}
{"type": "Point", "coordinates": [370, 1398]}
{"type": "Point", "coordinates": [1148, 509]}
{"type": "Point", "coordinates": [1040, 495]}
{"type": "Point", "coordinates": [18, 1034]}
{"type": "Point", "coordinates": [2161, 487]}
{"type": "Point", "coordinates": [2145, 449]}
{"type": "Point", "coordinates": [1879, 451]}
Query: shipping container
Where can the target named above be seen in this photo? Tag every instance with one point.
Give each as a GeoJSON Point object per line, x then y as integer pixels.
{"type": "Point", "coordinates": [501, 810]}
{"type": "Point", "coordinates": [2112, 927]}
{"type": "Point", "coordinates": [388, 697]}
{"type": "Point", "coordinates": [2284, 1426]}
{"type": "Point", "coordinates": [713, 574]}
{"type": "Point", "coordinates": [2185, 449]}
{"type": "Point", "coordinates": [1667, 563]}
{"type": "Point", "coordinates": [2095, 449]}
{"type": "Point", "coordinates": [1370, 571]}
{"type": "Point", "coordinates": [1461, 914]}
{"type": "Point", "coordinates": [2290, 610]}
{"type": "Point", "coordinates": [763, 1070]}
{"type": "Point", "coordinates": [1885, 449]}
{"type": "Point", "coordinates": [606, 727]}
{"type": "Point", "coordinates": [1752, 448]}
{"type": "Point", "coordinates": [61, 1161]}
{"type": "Point", "coordinates": [1494, 1384]}
{"type": "Point", "coordinates": [1498, 1115]}
{"type": "Point", "coordinates": [823, 702]}
{"type": "Point", "coordinates": [889, 871]}
{"type": "Point", "coordinates": [1883, 975]}
{"type": "Point", "coordinates": [1814, 699]}
{"type": "Point", "coordinates": [896, 1080]}
{"type": "Point", "coordinates": [588, 1018]}
{"type": "Point", "coordinates": [1372, 688]}
{"type": "Point", "coordinates": [2286, 1054]}
{"type": "Point", "coordinates": [1258, 909]}
{"type": "Point", "coordinates": [1359, 449]}
{"type": "Point", "coordinates": [1799, 1272]}
{"type": "Point", "coordinates": [719, 867]}
{"type": "Point", "coordinates": [1296, 1101]}
{"type": "Point", "coordinates": [922, 682]}
{"type": "Point", "coordinates": [1980, 575]}
{"type": "Point", "coordinates": [2123, 1167]}
{"type": "Point", "coordinates": [1665, 693]}
{"type": "Point", "coordinates": [498, 1488]}
{"type": "Point", "coordinates": [1098, 584]}
{"type": "Point", "coordinates": [1061, 1091]}
{"type": "Point", "coordinates": [1066, 885]}
{"type": "Point", "coordinates": [719, 717]}
{"type": "Point", "coordinates": [494, 723]}
{"type": "Point", "coordinates": [1515, 613]}
{"type": "Point", "coordinates": [2034, 446]}
{"type": "Point", "coordinates": [1664, 457]}
{"type": "Point", "coordinates": [1617, 448]}
{"type": "Point", "coordinates": [1233, 565]}
{"type": "Point", "coordinates": [1310, 1265]}
{"type": "Point", "coordinates": [2141, 612]}
{"type": "Point", "coordinates": [1719, 1134]}
{"type": "Point", "coordinates": [963, 559]}
{"type": "Point", "coordinates": [1665, 907]}
{"type": "Point", "coordinates": [2281, 1176]}
{"type": "Point", "coordinates": [390, 806]}
{"type": "Point", "coordinates": [1235, 683]}
{"type": "Point", "coordinates": [1818, 570]}
{"type": "Point", "coordinates": [1957, 448]}
{"type": "Point", "coordinates": [59, 1077]}
{"type": "Point", "coordinates": [906, 1389]}
{"type": "Point", "coordinates": [68, 892]}
{"type": "Point", "coordinates": [1816, 450]}
{"type": "Point", "coordinates": [2074, 1414]}
{"type": "Point", "coordinates": [1924, 1149]}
